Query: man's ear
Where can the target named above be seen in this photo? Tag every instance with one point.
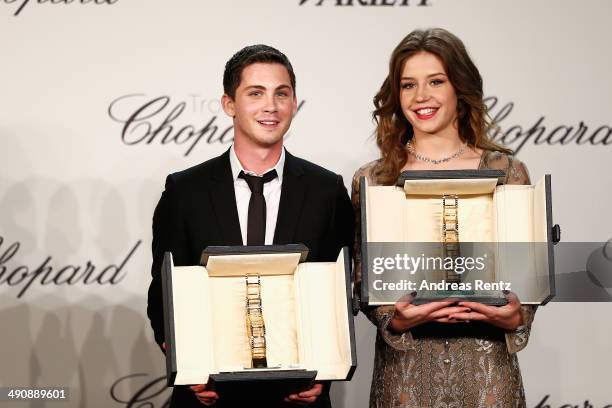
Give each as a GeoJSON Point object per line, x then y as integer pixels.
{"type": "Point", "coordinates": [295, 106]}
{"type": "Point", "coordinates": [228, 105]}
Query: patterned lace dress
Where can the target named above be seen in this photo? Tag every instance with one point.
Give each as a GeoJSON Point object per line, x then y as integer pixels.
{"type": "Point", "coordinates": [446, 365]}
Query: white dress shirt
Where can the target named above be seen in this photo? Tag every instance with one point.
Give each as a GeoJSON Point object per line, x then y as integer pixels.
{"type": "Point", "coordinates": [271, 193]}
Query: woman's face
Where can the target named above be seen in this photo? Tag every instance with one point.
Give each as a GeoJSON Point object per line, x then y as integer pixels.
{"type": "Point", "coordinates": [427, 97]}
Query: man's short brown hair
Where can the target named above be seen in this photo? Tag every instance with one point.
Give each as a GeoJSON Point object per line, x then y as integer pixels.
{"type": "Point", "coordinates": [252, 55]}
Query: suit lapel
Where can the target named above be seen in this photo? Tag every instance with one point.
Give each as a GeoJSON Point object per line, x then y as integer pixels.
{"type": "Point", "coordinates": [291, 201]}
{"type": "Point", "coordinates": [224, 201]}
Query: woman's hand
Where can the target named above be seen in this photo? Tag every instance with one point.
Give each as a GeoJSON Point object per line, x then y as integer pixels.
{"type": "Point", "coordinates": [507, 317]}
{"type": "Point", "coordinates": [407, 315]}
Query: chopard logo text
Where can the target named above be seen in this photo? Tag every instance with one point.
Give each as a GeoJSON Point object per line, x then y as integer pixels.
{"type": "Point", "coordinates": [23, 276]}
{"type": "Point", "coordinates": [544, 403]}
{"type": "Point", "coordinates": [152, 391]}
{"type": "Point", "coordinates": [542, 133]}
{"type": "Point", "coordinates": [22, 4]}
{"type": "Point", "coordinates": [160, 120]}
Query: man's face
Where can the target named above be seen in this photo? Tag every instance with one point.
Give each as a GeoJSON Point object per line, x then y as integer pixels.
{"type": "Point", "coordinates": [263, 106]}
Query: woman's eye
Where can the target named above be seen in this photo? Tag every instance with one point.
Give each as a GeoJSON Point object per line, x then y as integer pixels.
{"type": "Point", "coordinates": [437, 82]}
{"type": "Point", "coordinates": [407, 85]}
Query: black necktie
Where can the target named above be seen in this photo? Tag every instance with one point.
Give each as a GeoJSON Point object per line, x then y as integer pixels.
{"type": "Point", "coordinates": [256, 226]}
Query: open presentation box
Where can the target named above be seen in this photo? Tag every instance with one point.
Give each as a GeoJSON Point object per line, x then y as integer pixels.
{"type": "Point", "coordinates": [506, 230]}
{"type": "Point", "coordinates": [306, 307]}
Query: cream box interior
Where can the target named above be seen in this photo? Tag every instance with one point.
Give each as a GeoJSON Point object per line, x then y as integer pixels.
{"type": "Point", "coordinates": [487, 212]}
{"type": "Point", "coordinates": [305, 308]}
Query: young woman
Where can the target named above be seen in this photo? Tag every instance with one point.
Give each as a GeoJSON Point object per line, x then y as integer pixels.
{"type": "Point", "coordinates": [430, 115]}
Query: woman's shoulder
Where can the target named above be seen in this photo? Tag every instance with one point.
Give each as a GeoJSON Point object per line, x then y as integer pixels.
{"type": "Point", "coordinates": [516, 171]}
{"type": "Point", "coordinates": [367, 171]}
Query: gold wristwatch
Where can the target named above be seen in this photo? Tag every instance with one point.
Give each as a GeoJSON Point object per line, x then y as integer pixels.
{"type": "Point", "coordinates": [450, 233]}
{"type": "Point", "coordinates": [256, 329]}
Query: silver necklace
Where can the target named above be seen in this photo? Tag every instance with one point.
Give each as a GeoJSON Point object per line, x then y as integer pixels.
{"type": "Point", "coordinates": [413, 152]}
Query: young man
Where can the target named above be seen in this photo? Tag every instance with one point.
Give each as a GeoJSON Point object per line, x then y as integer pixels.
{"type": "Point", "coordinates": [253, 194]}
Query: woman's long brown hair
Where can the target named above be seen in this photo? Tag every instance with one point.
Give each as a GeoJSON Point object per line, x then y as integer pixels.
{"type": "Point", "coordinates": [393, 130]}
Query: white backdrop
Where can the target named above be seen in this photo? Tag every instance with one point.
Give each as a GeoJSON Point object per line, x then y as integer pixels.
{"type": "Point", "coordinates": [79, 185]}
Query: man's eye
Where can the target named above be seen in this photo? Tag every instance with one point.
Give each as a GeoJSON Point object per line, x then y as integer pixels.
{"type": "Point", "coordinates": [281, 94]}
{"type": "Point", "coordinates": [255, 93]}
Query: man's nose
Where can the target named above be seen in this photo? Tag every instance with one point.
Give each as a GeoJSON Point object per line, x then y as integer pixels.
{"type": "Point", "coordinates": [270, 104]}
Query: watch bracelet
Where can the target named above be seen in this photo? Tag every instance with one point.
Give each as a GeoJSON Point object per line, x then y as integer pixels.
{"type": "Point", "coordinates": [256, 329]}
{"type": "Point", "coordinates": [450, 233]}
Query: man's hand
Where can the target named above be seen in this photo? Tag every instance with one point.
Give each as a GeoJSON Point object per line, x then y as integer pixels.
{"type": "Point", "coordinates": [207, 398]}
{"type": "Point", "coordinates": [507, 317]}
{"type": "Point", "coordinates": [407, 315]}
{"type": "Point", "coordinates": [306, 397]}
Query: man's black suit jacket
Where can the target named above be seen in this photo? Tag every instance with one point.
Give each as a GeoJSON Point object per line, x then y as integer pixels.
{"type": "Point", "coordinates": [198, 209]}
